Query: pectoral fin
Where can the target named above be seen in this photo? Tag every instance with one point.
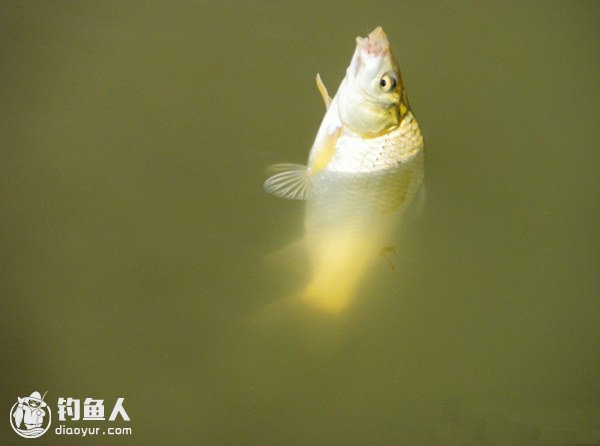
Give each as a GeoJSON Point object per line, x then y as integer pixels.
{"type": "Point", "coordinates": [324, 151]}
{"type": "Point", "coordinates": [289, 181]}
{"type": "Point", "coordinates": [293, 181]}
{"type": "Point", "coordinates": [323, 90]}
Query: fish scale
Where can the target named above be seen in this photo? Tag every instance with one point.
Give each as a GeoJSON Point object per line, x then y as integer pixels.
{"type": "Point", "coordinates": [356, 154]}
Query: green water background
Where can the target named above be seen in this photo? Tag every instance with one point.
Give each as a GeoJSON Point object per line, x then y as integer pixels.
{"type": "Point", "coordinates": [133, 141]}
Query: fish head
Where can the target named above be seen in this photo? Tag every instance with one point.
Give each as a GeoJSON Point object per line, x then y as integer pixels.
{"type": "Point", "coordinates": [372, 99]}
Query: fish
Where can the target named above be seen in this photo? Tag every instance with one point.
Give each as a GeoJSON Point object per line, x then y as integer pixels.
{"type": "Point", "coordinates": [18, 413]}
{"type": "Point", "coordinates": [364, 173]}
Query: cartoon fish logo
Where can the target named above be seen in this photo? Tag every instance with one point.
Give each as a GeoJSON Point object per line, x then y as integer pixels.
{"type": "Point", "coordinates": [30, 416]}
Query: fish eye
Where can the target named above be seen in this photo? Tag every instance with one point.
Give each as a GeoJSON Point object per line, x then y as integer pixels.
{"type": "Point", "coordinates": [388, 83]}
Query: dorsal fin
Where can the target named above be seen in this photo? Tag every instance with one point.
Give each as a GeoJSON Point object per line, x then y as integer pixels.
{"type": "Point", "coordinates": [323, 90]}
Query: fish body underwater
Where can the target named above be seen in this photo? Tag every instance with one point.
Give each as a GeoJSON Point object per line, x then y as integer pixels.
{"type": "Point", "coordinates": [364, 171]}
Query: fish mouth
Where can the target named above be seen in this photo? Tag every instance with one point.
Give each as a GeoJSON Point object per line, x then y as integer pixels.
{"type": "Point", "coordinates": [375, 44]}
{"type": "Point", "coordinates": [374, 47]}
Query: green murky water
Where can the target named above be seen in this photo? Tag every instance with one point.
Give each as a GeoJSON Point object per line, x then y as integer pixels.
{"type": "Point", "coordinates": [133, 138]}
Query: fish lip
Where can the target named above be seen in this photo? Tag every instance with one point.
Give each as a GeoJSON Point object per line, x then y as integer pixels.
{"type": "Point", "coordinates": [376, 44]}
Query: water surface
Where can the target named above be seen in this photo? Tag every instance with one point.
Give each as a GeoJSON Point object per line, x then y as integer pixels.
{"type": "Point", "coordinates": [134, 138]}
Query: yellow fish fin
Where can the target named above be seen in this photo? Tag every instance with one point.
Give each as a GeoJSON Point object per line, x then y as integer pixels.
{"type": "Point", "coordinates": [288, 181]}
{"type": "Point", "coordinates": [324, 151]}
{"type": "Point", "coordinates": [323, 90]}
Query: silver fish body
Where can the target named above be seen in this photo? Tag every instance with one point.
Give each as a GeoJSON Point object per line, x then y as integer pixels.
{"type": "Point", "coordinates": [364, 171]}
